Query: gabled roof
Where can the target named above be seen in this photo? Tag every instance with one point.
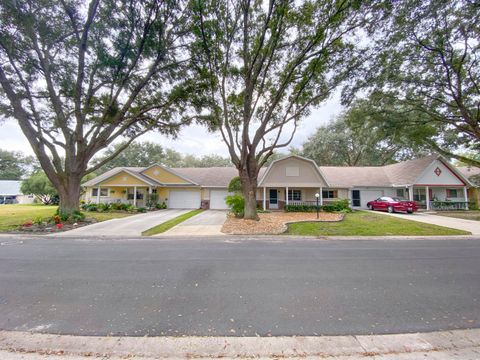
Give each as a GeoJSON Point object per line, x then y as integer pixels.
{"type": "Point", "coordinates": [10, 187]}
{"type": "Point", "coordinates": [170, 170]}
{"type": "Point", "coordinates": [407, 172]}
{"type": "Point", "coordinates": [134, 171]}
{"type": "Point", "coordinates": [315, 166]}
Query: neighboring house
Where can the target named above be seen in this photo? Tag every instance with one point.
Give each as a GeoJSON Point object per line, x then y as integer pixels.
{"type": "Point", "coordinates": [10, 193]}
{"type": "Point", "coordinates": [473, 175]}
{"type": "Point", "coordinates": [293, 179]}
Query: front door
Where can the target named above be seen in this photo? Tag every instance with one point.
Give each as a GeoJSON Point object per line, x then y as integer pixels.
{"type": "Point", "coordinates": [273, 199]}
{"type": "Point", "coordinates": [356, 198]}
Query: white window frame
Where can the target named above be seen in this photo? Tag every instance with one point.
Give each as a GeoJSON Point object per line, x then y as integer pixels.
{"type": "Point", "coordinates": [328, 193]}
{"type": "Point", "coordinates": [448, 193]}
{"type": "Point", "coordinates": [292, 195]}
{"type": "Point", "coordinates": [95, 191]}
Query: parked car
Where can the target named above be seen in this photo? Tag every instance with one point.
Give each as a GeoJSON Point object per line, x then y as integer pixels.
{"type": "Point", "coordinates": [392, 204]}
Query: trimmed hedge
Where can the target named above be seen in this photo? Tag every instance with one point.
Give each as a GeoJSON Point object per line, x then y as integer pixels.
{"type": "Point", "coordinates": [338, 205]}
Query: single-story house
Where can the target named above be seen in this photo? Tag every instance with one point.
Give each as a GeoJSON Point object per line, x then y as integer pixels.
{"type": "Point", "coordinates": [10, 193]}
{"type": "Point", "coordinates": [289, 180]}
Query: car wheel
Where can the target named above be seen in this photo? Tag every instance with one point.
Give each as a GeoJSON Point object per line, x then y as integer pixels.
{"type": "Point", "coordinates": [390, 209]}
{"type": "Point", "coordinates": [410, 211]}
{"type": "Point", "coordinates": [370, 207]}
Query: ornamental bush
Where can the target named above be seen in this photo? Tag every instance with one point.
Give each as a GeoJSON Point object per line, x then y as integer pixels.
{"type": "Point", "coordinates": [301, 208]}
{"type": "Point", "coordinates": [236, 204]}
{"type": "Point", "coordinates": [334, 206]}
{"type": "Point", "coordinates": [338, 205]}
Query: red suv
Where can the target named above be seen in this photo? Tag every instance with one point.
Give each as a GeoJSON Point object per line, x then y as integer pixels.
{"type": "Point", "coordinates": [392, 204]}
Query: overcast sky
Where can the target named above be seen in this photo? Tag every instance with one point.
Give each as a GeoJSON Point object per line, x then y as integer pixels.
{"type": "Point", "coordinates": [192, 140]}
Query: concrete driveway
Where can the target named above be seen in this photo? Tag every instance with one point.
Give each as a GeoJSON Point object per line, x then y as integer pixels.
{"type": "Point", "coordinates": [454, 223]}
{"type": "Point", "coordinates": [127, 226]}
{"type": "Point", "coordinates": [208, 222]}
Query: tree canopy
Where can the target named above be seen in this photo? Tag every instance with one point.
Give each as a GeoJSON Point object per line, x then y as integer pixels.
{"type": "Point", "coordinates": [39, 185]}
{"type": "Point", "coordinates": [356, 139]}
{"type": "Point", "coordinates": [14, 165]}
{"type": "Point", "coordinates": [423, 78]}
{"type": "Point", "coordinates": [146, 153]}
{"type": "Point", "coordinates": [76, 76]}
{"type": "Point", "coordinates": [264, 66]}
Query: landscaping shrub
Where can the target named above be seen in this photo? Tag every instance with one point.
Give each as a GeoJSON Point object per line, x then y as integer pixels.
{"type": "Point", "coordinates": [152, 200]}
{"type": "Point", "coordinates": [334, 206]}
{"type": "Point", "coordinates": [301, 208]}
{"type": "Point", "coordinates": [102, 207]}
{"type": "Point", "coordinates": [161, 206]}
{"type": "Point", "coordinates": [338, 205]}
{"type": "Point", "coordinates": [77, 216]}
{"type": "Point", "coordinates": [142, 209]}
{"type": "Point", "coordinates": [236, 204]}
{"type": "Point", "coordinates": [38, 220]}
{"type": "Point", "coordinates": [130, 208]}
{"type": "Point", "coordinates": [90, 207]}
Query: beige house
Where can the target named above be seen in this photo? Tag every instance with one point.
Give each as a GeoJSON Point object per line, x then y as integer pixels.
{"type": "Point", "coordinates": [291, 180]}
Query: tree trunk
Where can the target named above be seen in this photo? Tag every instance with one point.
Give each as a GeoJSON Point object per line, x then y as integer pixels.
{"type": "Point", "coordinates": [249, 187]}
{"type": "Point", "coordinates": [69, 195]}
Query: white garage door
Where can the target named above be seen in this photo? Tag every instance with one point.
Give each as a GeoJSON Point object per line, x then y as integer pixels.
{"type": "Point", "coordinates": [217, 199]}
{"type": "Point", "coordinates": [184, 199]}
{"type": "Point", "coordinates": [369, 195]}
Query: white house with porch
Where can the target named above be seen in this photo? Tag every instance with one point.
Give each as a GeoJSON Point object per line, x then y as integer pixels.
{"type": "Point", "coordinates": [432, 182]}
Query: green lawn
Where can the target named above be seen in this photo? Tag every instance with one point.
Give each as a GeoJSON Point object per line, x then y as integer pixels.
{"type": "Point", "coordinates": [12, 216]}
{"type": "Point", "coordinates": [369, 224]}
{"type": "Point", "coordinates": [468, 215]}
{"type": "Point", "coordinates": [167, 225]}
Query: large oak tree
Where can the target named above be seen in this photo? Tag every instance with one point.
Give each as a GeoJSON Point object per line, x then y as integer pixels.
{"type": "Point", "coordinates": [424, 73]}
{"type": "Point", "coordinates": [267, 63]}
{"type": "Point", "coordinates": [76, 76]}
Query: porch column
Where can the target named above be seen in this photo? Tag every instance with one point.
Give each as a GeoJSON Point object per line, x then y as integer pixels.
{"type": "Point", "coordinates": [98, 195]}
{"type": "Point", "coordinates": [465, 195]}
{"type": "Point", "coordinates": [135, 196]}
{"type": "Point", "coordinates": [286, 195]}
{"type": "Point", "coordinates": [427, 197]}
{"type": "Point", "coordinates": [320, 192]}
{"type": "Point", "coordinates": [264, 198]}
{"type": "Point", "coordinates": [150, 190]}
{"type": "Point", "coordinates": [410, 193]}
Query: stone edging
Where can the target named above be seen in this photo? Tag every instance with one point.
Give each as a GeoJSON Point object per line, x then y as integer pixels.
{"type": "Point", "coordinates": [236, 347]}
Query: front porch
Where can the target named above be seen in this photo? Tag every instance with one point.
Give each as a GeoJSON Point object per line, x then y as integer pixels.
{"type": "Point", "coordinates": [439, 198]}
{"type": "Point", "coordinates": [276, 198]}
{"type": "Point", "coordinates": [134, 195]}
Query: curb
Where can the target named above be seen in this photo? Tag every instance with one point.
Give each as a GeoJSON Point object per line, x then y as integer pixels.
{"type": "Point", "coordinates": [239, 238]}
{"type": "Point", "coordinates": [239, 347]}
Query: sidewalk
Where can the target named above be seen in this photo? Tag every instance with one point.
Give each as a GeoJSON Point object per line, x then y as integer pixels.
{"type": "Point", "coordinates": [456, 344]}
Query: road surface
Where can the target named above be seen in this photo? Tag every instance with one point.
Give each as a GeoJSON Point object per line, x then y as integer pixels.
{"type": "Point", "coordinates": [238, 288]}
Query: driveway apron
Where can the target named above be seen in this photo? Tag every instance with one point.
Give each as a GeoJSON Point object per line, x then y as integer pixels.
{"type": "Point", "coordinates": [206, 223]}
{"type": "Point", "coordinates": [127, 226]}
{"type": "Point", "coordinates": [450, 222]}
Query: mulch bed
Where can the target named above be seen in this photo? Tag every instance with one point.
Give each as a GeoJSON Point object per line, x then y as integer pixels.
{"type": "Point", "coordinates": [273, 223]}
{"type": "Point", "coordinates": [47, 228]}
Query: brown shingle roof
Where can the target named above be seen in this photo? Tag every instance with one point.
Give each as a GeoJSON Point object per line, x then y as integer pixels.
{"type": "Point", "coordinates": [343, 176]}
{"type": "Point", "coordinates": [468, 171]}
{"type": "Point", "coordinates": [406, 172]}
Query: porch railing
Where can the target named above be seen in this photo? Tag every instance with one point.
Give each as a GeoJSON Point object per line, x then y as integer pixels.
{"type": "Point", "coordinates": [450, 205]}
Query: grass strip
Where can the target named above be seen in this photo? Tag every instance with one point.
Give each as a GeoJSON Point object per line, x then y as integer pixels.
{"type": "Point", "coordinates": [167, 225]}
{"type": "Point", "coordinates": [370, 224]}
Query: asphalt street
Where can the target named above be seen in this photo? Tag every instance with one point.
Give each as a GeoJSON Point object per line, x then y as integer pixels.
{"type": "Point", "coordinates": [238, 288]}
